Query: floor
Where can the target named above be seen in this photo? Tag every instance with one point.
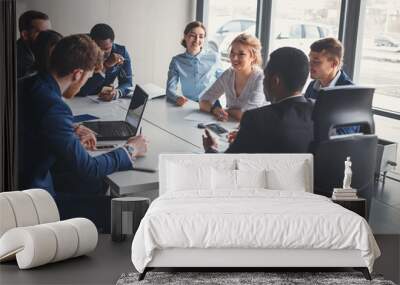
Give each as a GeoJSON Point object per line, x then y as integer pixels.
{"type": "Point", "coordinates": [385, 223]}
{"type": "Point", "coordinates": [110, 260]}
{"type": "Point", "coordinates": [102, 266]}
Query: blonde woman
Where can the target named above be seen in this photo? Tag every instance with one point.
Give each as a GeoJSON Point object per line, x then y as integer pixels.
{"type": "Point", "coordinates": [242, 83]}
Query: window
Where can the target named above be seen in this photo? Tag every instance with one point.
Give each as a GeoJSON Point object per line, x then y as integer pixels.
{"type": "Point", "coordinates": [300, 23]}
{"type": "Point", "coordinates": [228, 18]}
{"type": "Point", "coordinates": [380, 62]}
{"type": "Point", "coordinates": [312, 32]}
{"type": "Point", "coordinates": [231, 27]}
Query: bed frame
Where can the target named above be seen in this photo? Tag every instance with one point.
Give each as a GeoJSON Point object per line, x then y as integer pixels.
{"type": "Point", "coordinates": [250, 258]}
{"type": "Point", "coordinates": [242, 259]}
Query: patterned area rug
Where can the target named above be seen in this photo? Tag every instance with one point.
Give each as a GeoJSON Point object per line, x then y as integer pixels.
{"type": "Point", "coordinates": [243, 278]}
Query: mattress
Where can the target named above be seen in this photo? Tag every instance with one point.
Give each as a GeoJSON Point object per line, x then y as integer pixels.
{"type": "Point", "coordinates": [250, 219]}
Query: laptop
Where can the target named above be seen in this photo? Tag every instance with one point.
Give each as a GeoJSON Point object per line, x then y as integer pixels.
{"type": "Point", "coordinates": [121, 130]}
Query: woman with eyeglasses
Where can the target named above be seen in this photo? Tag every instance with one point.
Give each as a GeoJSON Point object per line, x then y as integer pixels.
{"type": "Point", "coordinates": [195, 69]}
{"type": "Point", "coordinates": [242, 83]}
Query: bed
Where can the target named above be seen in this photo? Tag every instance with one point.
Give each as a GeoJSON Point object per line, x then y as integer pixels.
{"type": "Point", "coordinates": [246, 211]}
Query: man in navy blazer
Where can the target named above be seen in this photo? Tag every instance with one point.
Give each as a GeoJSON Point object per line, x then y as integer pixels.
{"type": "Point", "coordinates": [326, 57]}
{"type": "Point", "coordinates": [45, 122]}
{"type": "Point", "coordinates": [117, 64]}
{"type": "Point", "coordinates": [285, 126]}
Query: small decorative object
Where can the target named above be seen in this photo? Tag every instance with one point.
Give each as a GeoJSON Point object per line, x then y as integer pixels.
{"type": "Point", "coordinates": [347, 174]}
{"type": "Point", "coordinates": [347, 192]}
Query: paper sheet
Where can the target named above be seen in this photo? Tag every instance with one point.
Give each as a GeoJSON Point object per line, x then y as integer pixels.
{"type": "Point", "coordinates": [153, 90]}
{"type": "Point", "coordinates": [199, 116]}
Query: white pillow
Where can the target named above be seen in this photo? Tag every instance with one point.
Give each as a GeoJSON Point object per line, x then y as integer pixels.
{"type": "Point", "coordinates": [251, 178]}
{"type": "Point", "coordinates": [188, 177]}
{"type": "Point", "coordinates": [223, 179]}
{"type": "Point", "coordinates": [291, 179]}
{"type": "Point", "coordinates": [291, 175]}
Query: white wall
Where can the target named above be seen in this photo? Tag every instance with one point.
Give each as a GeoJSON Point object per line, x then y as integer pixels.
{"type": "Point", "coordinates": [150, 29]}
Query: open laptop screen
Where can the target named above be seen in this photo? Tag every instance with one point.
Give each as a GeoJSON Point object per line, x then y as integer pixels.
{"type": "Point", "coordinates": [136, 107]}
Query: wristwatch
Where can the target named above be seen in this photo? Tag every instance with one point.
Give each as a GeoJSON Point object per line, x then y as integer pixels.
{"type": "Point", "coordinates": [130, 149]}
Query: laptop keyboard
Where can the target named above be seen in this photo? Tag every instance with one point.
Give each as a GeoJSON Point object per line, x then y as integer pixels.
{"type": "Point", "coordinates": [111, 129]}
{"type": "Point", "coordinates": [117, 130]}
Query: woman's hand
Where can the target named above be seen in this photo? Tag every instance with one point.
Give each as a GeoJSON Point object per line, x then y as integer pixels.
{"type": "Point", "coordinates": [181, 100]}
{"type": "Point", "coordinates": [220, 114]}
{"type": "Point", "coordinates": [235, 114]}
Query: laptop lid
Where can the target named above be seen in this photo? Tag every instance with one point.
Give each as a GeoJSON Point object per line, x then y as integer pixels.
{"type": "Point", "coordinates": [136, 107]}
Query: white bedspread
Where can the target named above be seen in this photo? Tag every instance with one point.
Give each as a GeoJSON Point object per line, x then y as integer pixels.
{"type": "Point", "coordinates": [250, 219]}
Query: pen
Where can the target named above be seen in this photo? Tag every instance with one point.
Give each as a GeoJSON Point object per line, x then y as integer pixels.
{"type": "Point", "coordinates": [144, 169]}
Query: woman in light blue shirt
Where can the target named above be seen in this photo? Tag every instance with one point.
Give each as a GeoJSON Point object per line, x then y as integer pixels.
{"type": "Point", "coordinates": [195, 70]}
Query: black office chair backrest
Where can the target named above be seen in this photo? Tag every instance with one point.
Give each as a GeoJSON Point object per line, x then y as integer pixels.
{"type": "Point", "coordinates": [329, 164]}
{"type": "Point", "coordinates": [343, 106]}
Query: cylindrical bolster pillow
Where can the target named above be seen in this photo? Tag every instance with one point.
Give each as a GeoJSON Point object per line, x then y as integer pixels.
{"type": "Point", "coordinates": [23, 208]}
{"type": "Point", "coordinates": [87, 235]}
{"type": "Point", "coordinates": [41, 244]}
{"type": "Point", "coordinates": [67, 240]}
{"type": "Point", "coordinates": [45, 205]}
{"type": "Point", "coordinates": [7, 218]}
{"type": "Point", "coordinates": [33, 246]}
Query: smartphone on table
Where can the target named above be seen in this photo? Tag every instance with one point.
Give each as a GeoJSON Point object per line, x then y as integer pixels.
{"type": "Point", "coordinates": [216, 128]}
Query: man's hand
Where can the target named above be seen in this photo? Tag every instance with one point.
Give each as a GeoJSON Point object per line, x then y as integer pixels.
{"type": "Point", "coordinates": [86, 137]}
{"type": "Point", "coordinates": [209, 143]}
{"type": "Point", "coordinates": [113, 59]}
{"type": "Point", "coordinates": [232, 136]}
{"type": "Point", "coordinates": [89, 141]}
{"type": "Point", "coordinates": [107, 93]}
{"type": "Point", "coordinates": [220, 114]}
{"type": "Point", "coordinates": [139, 144]}
{"type": "Point", "coordinates": [181, 100]}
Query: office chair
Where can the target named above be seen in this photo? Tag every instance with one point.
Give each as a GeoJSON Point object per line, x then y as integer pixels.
{"type": "Point", "coordinates": [338, 107]}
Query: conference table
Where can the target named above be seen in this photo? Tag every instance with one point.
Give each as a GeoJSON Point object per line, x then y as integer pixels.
{"type": "Point", "coordinates": [167, 127]}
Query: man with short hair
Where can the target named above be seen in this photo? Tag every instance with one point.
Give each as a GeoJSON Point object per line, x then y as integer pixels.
{"type": "Point", "coordinates": [117, 64]}
{"type": "Point", "coordinates": [285, 126]}
{"type": "Point", "coordinates": [45, 123]}
{"type": "Point", "coordinates": [326, 58]}
{"type": "Point", "coordinates": [30, 24]}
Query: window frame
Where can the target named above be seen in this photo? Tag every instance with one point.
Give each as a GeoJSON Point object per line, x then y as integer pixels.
{"type": "Point", "coordinates": [352, 13]}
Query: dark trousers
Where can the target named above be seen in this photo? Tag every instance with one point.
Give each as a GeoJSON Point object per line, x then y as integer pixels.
{"type": "Point", "coordinates": [78, 196]}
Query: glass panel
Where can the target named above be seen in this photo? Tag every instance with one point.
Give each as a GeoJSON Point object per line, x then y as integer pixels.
{"type": "Point", "coordinates": [228, 18]}
{"type": "Point", "coordinates": [312, 32]}
{"type": "Point", "coordinates": [300, 23]}
{"type": "Point", "coordinates": [380, 62]}
{"type": "Point", "coordinates": [389, 129]}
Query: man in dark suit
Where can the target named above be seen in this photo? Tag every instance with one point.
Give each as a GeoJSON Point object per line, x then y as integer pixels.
{"type": "Point", "coordinates": [285, 126]}
{"type": "Point", "coordinates": [30, 24]}
{"type": "Point", "coordinates": [45, 122]}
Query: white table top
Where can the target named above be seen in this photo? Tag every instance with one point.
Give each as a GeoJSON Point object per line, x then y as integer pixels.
{"type": "Point", "coordinates": [175, 135]}
{"type": "Point", "coordinates": [171, 118]}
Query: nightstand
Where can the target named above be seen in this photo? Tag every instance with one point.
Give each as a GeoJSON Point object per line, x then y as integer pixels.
{"type": "Point", "coordinates": [358, 206]}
